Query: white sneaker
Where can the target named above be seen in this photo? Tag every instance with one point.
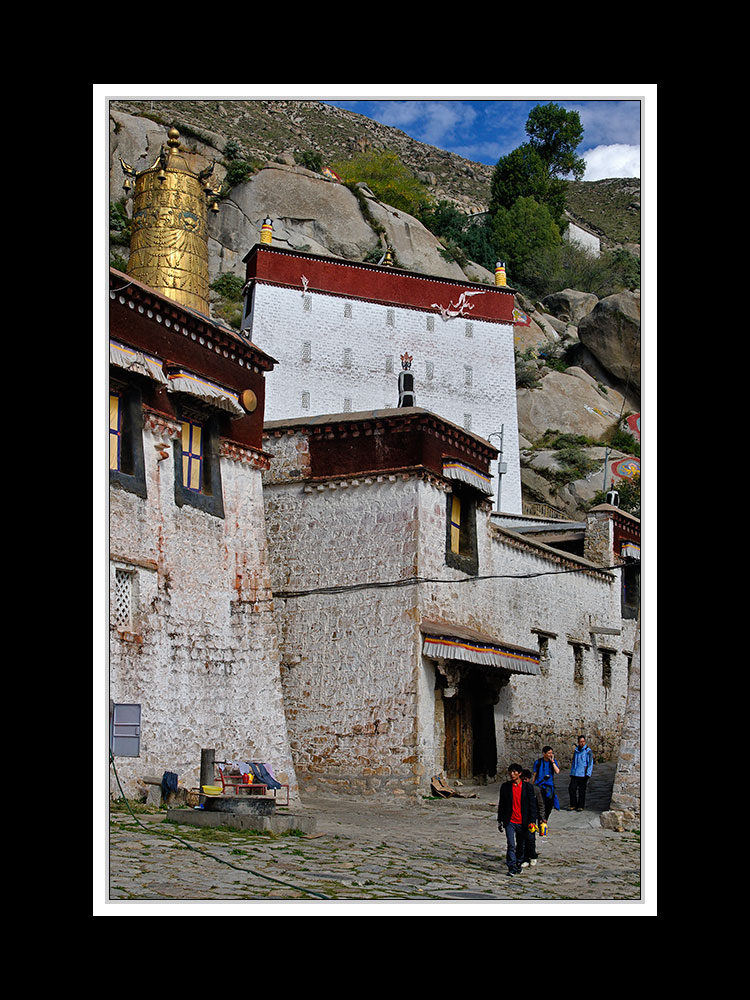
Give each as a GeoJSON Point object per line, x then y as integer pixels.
{"type": "Point", "coordinates": [524, 864]}
{"type": "Point", "coordinates": [533, 862]}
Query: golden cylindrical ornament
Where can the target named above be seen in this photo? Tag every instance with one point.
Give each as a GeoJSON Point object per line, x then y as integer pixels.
{"type": "Point", "coordinates": [500, 277]}
{"type": "Point", "coordinates": [169, 242]}
{"type": "Point", "coordinates": [266, 231]}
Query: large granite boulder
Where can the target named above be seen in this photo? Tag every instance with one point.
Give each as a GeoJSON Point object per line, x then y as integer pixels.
{"type": "Point", "coordinates": [612, 334]}
{"type": "Point", "coordinates": [570, 305]}
{"type": "Point", "coordinates": [570, 402]}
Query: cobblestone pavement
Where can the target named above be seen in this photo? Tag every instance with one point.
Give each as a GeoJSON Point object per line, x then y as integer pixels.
{"type": "Point", "coordinates": [436, 851]}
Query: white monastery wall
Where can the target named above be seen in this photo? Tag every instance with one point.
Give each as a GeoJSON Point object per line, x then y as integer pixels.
{"type": "Point", "coordinates": [582, 238]}
{"type": "Point", "coordinates": [338, 354]}
{"type": "Point", "coordinates": [200, 655]}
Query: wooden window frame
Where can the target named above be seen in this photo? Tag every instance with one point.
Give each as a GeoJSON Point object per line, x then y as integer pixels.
{"type": "Point", "coordinates": [461, 549]}
{"type": "Point", "coordinates": [209, 497]}
{"type": "Point", "coordinates": [130, 475]}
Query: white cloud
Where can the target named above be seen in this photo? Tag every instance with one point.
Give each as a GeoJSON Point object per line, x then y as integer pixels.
{"type": "Point", "coordinates": [617, 160]}
{"type": "Point", "coordinates": [434, 122]}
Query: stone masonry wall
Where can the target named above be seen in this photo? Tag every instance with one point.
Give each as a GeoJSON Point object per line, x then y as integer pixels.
{"type": "Point", "coordinates": [349, 658]}
{"type": "Point", "coordinates": [536, 599]}
{"type": "Point", "coordinates": [201, 655]}
{"type": "Point", "coordinates": [363, 710]}
{"type": "Point", "coordinates": [336, 354]}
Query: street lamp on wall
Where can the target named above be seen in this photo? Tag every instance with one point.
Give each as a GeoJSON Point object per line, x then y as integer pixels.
{"type": "Point", "coordinates": [502, 466]}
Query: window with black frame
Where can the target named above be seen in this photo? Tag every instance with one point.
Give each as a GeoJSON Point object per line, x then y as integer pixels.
{"type": "Point", "coordinates": [126, 466]}
{"type": "Point", "coordinates": [461, 550]}
{"type": "Point", "coordinates": [197, 467]}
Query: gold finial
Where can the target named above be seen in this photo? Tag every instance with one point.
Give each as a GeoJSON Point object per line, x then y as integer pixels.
{"type": "Point", "coordinates": [266, 231]}
{"type": "Point", "coordinates": [173, 138]}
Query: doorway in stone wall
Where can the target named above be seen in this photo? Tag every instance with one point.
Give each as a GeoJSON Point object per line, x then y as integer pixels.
{"type": "Point", "coordinates": [470, 741]}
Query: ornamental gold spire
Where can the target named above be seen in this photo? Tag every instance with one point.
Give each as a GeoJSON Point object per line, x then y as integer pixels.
{"type": "Point", "coordinates": [169, 242]}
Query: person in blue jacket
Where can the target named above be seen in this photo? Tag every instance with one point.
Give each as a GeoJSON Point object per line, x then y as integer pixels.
{"type": "Point", "coordinates": [580, 772]}
{"type": "Point", "coordinates": [543, 774]}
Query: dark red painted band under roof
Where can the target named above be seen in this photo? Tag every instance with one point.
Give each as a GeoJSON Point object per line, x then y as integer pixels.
{"type": "Point", "coordinates": [380, 284]}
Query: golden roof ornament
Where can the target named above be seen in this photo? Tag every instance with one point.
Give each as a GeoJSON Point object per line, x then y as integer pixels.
{"type": "Point", "coordinates": [169, 241]}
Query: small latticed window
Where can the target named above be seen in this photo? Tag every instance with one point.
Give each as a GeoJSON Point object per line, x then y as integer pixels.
{"type": "Point", "coordinates": [469, 330]}
{"type": "Point", "coordinates": [307, 303]}
{"type": "Point", "coordinates": [306, 350]}
{"type": "Point", "coordinates": [348, 310]}
{"type": "Point", "coordinates": [123, 612]}
{"type": "Point", "coordinates": [429, 369]}
{"type": "Point", "coordinates": [390, 317]}
{"type": "Point", "coordinates": [430, 323]}
{"type": "Point", "coordinates": [305, 400]}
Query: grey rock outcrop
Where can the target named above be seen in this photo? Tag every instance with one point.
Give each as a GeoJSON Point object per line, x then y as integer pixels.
{"type": "Point", "coordinates": [570, 305]}
{"type": "Point", "coordinates": [570, 402]}
{"type": "Point", "coordinates": [611, 332]}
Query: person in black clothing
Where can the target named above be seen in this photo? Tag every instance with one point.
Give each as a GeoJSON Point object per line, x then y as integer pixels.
{"type": "Point", "coordinates": [530, 852]}
{"type": "Point", "coordinates": [516, 808]}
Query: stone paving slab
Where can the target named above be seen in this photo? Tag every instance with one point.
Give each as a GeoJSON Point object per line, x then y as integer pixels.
{"type": "Point", "coordinates": [431, 851]}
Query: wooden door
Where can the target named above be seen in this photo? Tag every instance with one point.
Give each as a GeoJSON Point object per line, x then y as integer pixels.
{"type": "Point", "coordinates": [459, 740]}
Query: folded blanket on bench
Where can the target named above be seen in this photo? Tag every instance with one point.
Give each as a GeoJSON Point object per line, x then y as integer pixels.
{"type": "Point", "coordinates": [262, 774]}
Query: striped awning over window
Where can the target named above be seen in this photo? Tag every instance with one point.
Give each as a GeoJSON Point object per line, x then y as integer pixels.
{"type": "Point", "coordinates": [631, 550]}
{"type": "Point", "coordinates": [136, 361]}
{"type": "Point", "coordinates": [185, 381]}
{"type": "Point", "coordinates": [454, 469]}
{"type": "Point", "coordinates": [453, 642]}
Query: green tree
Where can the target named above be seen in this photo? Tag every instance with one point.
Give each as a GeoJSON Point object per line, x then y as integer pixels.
{"type": "Point", "coordinates": [555, 134]}
{"type": "Point", "coordinates": [522, 231]}
{"type": "Point", "coordinates": [537, 168]}
{"type": "Point", "coordinates": [520, 174]}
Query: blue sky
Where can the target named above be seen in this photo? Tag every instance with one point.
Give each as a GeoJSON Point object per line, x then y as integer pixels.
{"type": "Point", "coordinates": [485, 130]}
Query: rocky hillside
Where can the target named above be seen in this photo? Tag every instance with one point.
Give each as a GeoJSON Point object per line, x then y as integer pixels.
{"type": "Point", "coordinates": [578, 363]}
{"type": "Point", "coordinates": [265, 129]}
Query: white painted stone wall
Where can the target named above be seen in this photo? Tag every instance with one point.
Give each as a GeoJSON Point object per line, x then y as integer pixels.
{"type": "Point", "coordinates": [337, 354]}
{"type": "Point", "coordinates": [201, 656]}
{"type": "Point", "coordinates": [582, 238]}
{"type": "Point", "coordinates": [360, 697]}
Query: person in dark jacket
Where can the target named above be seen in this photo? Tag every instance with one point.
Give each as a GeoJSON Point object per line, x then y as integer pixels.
{"type": "Point", "coordinates": [530, 852]}
{"type": "Point", "coordinates": [516, 808]}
